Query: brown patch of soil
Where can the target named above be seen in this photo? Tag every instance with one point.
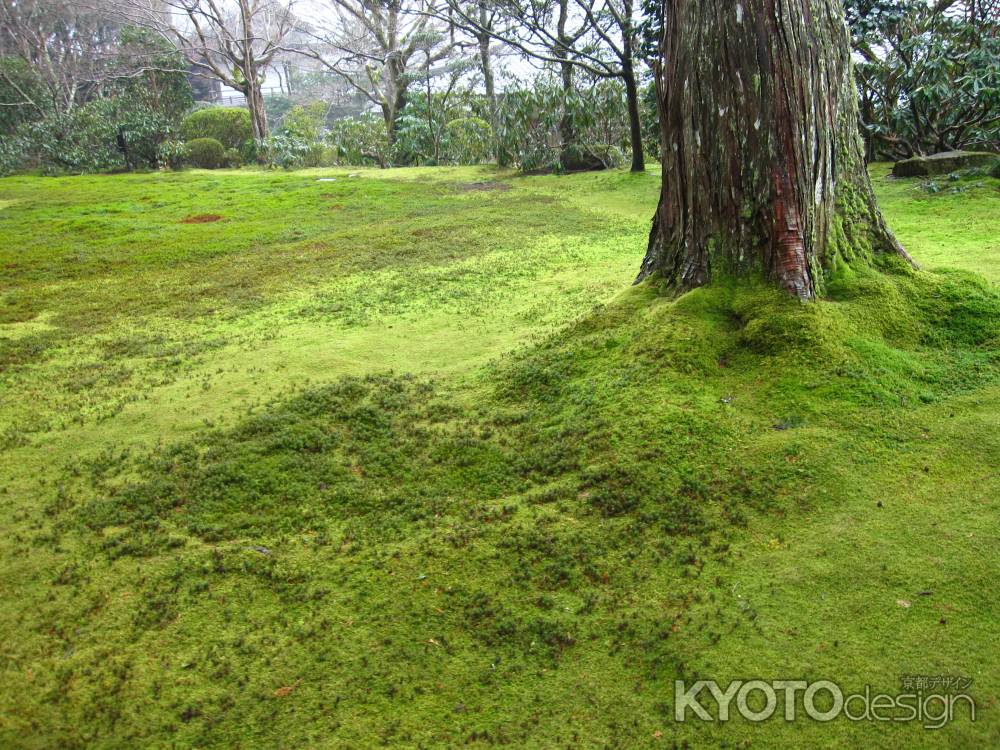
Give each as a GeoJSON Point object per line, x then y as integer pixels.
{"type": "Point", "coordinates": [201, 219]}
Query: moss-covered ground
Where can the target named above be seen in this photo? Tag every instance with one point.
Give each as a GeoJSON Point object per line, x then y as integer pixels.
{"type": "Point", "coordinates": [400, 459]}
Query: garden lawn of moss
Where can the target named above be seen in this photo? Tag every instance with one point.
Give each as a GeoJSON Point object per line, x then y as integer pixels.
{"type": "Point", "coordinates": [387, 461]}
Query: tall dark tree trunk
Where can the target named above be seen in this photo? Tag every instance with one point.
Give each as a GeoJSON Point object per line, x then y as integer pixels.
{"type": "Point", "coordinates": [631, 89]}
{"type": "Point", "coordinates": [634, 118]}
{"type": "Point", "coordinates": [763, 167]}
{"type": "Point", "coordinates": [489, 80]}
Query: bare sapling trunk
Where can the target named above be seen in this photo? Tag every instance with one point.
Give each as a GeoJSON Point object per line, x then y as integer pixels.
{"type": "Point", "coordinates": [763, 163]}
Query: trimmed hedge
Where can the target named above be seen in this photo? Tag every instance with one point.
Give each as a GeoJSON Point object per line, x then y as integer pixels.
{"type": "Point", "coordinates": [230, 126]}
{"type": "Point", "coordinates": [206, 153]}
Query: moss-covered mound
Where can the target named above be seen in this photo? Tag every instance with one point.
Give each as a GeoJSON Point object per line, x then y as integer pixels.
{"type": "Point", "coordinates": [417, 564]}
{"type": "Point", "coordinates": [581, 491]}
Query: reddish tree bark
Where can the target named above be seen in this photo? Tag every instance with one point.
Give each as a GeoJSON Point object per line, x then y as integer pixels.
{"type": "Point", "coordinates": [763, 164]}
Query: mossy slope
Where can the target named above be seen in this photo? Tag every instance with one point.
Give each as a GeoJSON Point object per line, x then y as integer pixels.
{"type": "Point", "coordinates": [528, 559]}
{"type": "Point", "coordinates": [727, 485]}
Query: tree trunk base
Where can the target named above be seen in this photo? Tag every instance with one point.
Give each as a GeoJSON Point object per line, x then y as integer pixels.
{"type": "Point", "coordinates": [763, 164]}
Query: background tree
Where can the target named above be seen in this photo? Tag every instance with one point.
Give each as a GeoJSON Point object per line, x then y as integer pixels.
{"type": "Point", "coordinates": [528, 116]}
{"type": "Point", "coordinates": [763, 169]}
{"type": "Point", "coordinates": [929, 75]}
{"type": "Point", "coordinates": [234, 42]}
{"type": "Point", "coordinates": [23, 97]}
{"type": "Point", "coordinates": [67, 46]}
{"type": "Point", "coordinates": [487, 16]}
{"type": "Point", "coordinates": [437, 114]}
{"type": "Point", "coordinates": [147, 68]}
{"type": "Point", "coordinates": [380, 47]}
{"type": "Point", "coordinates": [599, 36]}
{"type": "Point", "coordinates": [80, 92]}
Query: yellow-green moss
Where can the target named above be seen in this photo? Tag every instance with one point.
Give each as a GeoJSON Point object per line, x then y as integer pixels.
{"type": "Point", "coordinates": [226, 524]}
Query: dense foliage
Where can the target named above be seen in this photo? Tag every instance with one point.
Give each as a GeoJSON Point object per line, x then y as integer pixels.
{"type": "Point", "coordinates": [119, 125]}
{"type": "Point", "coordinates": [111, 133]}
{"type": "Point", "coordinates": [172, 154]}
{"type": "Point", "coordinates": [455, 128]}
{"type": "Point", "coordinates": [230, 126]}
{"type": "Point", "coordinates": [206, 153]}
{"type": "Point", "coordinates": [21, 90]}
{"type": "Point", "coordinates": [928, 75]}
{"type": "Point", "coordinates": [360, 140]}
{"type": "Point", "coordinates": [529, 118]}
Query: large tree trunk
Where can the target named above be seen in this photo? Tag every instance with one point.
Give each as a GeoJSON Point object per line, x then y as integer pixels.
{"type": "Point", "coordinates": [763, 168]}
